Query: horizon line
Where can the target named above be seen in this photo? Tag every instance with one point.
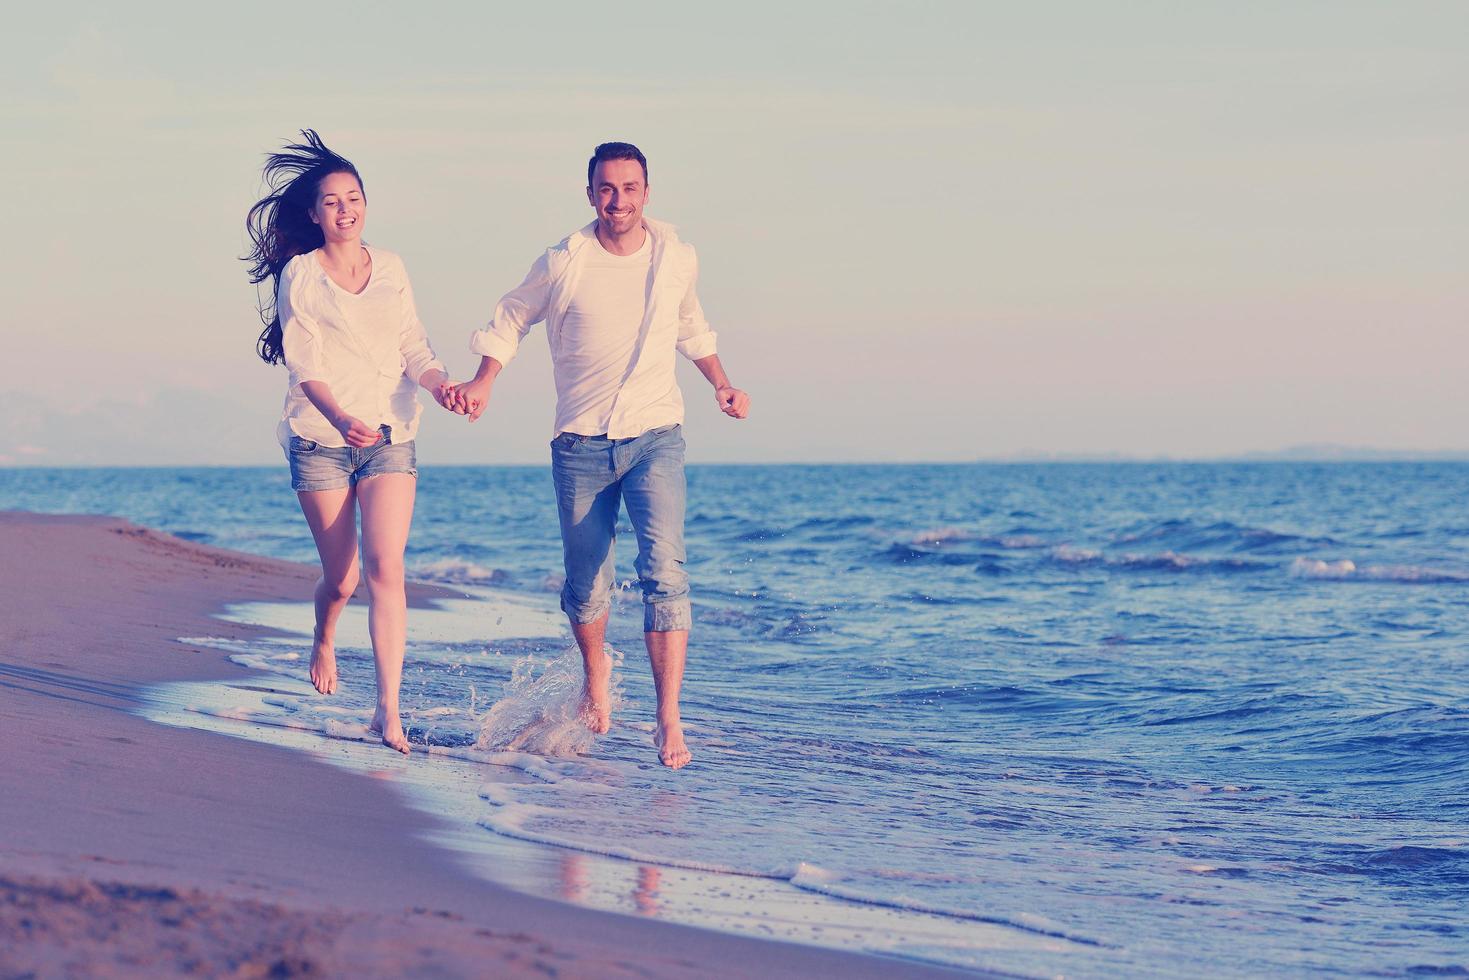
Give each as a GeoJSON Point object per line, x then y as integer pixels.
{"type": "Point", "coordinates": [1017, 459]}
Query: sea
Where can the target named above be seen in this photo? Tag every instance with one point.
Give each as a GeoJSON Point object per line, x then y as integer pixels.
{"type": "Point", "coordinates": [1134, 719]}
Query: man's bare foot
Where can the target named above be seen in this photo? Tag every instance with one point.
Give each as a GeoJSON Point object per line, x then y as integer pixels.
{"type": "Point", "coordinates": [673, 752]}
{"type": "Point", "coordinates": [323, 667]}
{"type": "Point", "coordinates": [595, 710]}
{"type": "Point", "coordinates": [390, 730]}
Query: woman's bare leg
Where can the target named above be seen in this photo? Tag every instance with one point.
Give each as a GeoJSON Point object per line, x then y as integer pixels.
{"type": "Point", "coordinates": [387, 512]}
{"type": "Point", "coordinates": [333, 520]}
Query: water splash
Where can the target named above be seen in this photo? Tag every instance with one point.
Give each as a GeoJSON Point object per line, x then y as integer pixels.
{"type": "Point", "coordinates": [537, 711]}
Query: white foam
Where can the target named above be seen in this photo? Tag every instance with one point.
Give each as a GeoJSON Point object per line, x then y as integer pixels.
{"type": "Point", "coordinates": [817, 879]}
{"type": "Point", "coordinates": [941, 535]}
{"type": "Point", "coordinates": [458, 571]}
{"type": "Point", "coordinates": [1021, 541]}
{"type": "Point", "coordinates": [1344, 569]}
{"type": "Point", "coordinates": [615, 825]}
{"type": "Point", "coordinates": [485, 617]}
{"type": "Point", "coordinates": [1316, 568]}
{"type": "Point", "coordinates": [1074, 555]}
{"type": "Point", "coordinates": [1412, 573]}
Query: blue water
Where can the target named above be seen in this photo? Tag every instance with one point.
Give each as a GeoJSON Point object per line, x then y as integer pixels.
{"type": "Point", "coordinates": [1195, 719]}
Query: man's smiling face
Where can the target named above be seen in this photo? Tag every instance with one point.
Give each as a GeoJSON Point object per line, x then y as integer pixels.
{"type": "Point", "coordinates": [618, 193]}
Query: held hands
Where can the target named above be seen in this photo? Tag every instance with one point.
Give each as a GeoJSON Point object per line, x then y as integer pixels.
{"type": "Point", "coordinates": [465, 398]}
{"type": "Point", "coordinates": [444, 394]}
{"type": "Point", "coordinates": [471, 397]}
{"type": "Point", "coordinates": [461, 399]}
{"type": "Point", "coordinates": [732, 402]}
{"type": "Point", "coordinates": [357, 432]}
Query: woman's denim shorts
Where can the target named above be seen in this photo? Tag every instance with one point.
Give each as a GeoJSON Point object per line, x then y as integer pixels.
{"type": "Point", "coordinates": [318, 467]}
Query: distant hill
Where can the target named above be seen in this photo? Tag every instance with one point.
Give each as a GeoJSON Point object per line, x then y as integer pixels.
{"type": "Point", "coordinates": [1332, 453]}
{"type": "Point", "coordinates": [1310, 453]}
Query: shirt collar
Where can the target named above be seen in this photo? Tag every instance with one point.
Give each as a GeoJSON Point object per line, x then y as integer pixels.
{"type": "Point", "coordinates": [661, 231]}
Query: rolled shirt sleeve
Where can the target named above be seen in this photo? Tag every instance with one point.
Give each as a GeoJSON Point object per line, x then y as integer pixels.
{"type": "Point", "coordinates": [518, 310]}
{"type": "Point", "coordinates": [695, 338]}
{"type": "Point", "coordinates": [418, 355]}
{"type": "Point", "coordinates": [301, 341]}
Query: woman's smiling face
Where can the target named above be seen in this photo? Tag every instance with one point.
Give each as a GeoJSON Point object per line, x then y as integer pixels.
{"type": "Point", "coordinates": [341, 207]}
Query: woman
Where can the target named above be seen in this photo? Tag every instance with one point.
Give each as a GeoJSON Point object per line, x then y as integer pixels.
{"type": "Point", "coordinates": [344, 322]}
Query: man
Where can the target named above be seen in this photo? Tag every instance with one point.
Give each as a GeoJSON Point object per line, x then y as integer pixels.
{"type": "Point", "coordinates": [618, 299]}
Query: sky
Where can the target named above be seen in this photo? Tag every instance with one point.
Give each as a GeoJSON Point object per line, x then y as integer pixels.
{"type": "Point", "coordinates": [927, 231]}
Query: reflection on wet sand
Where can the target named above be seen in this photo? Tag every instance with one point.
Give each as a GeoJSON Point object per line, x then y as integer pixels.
{"type": "Point", "coordinates": [645, 893]}
{"type": "Point", "coordinates": [574, 878]}
{"type": "Point", "coordinates": [575, 871]}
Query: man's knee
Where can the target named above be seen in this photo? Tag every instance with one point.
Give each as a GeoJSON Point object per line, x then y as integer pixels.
{"type": "Point", "coordinates": [667, 615]}
{"type": "Point", "coordinates": [662, 577]}
{"type": "Point", "coordinates": [586, 600]}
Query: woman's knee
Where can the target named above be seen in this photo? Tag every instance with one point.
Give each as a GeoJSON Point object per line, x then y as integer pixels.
{"type": "Point", "coordinates": [339, 585]}
{"type": "Point", "coordinates": [384, 570]}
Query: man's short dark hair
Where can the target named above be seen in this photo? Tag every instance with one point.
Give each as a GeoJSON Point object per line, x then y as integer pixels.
{"type": "Point", "coordinates": [616, 151]}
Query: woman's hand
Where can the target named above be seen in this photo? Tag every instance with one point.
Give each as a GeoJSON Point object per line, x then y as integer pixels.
{"type": "Point", "coordinates": [471, 397]}
{"type": "Point", "coordinates": [437, 383]}
{"type": "Point", "coordinates": [444, 394]}
{"type": "Point", "coordinates": [357, 432]}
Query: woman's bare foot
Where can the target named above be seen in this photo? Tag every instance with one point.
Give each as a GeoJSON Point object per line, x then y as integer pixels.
{"type": "Point", "coordinates": [596, 709]}
{"type": "Point", "coordinates": [390, 729]}
{"type": "Point", "coordinates": [323, 667]}
{"type": "Point", "coordinates": [673, 752]}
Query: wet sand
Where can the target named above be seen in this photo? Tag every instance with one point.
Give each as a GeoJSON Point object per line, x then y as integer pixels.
{"type": "Point", "coordinates": [135, 849]}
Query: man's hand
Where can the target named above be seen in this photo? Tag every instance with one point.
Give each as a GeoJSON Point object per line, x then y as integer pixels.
{"type": "Point", "coordinates": [732, 402]}
{"type": "Point", "coordinates": [471, 397]}
{"type": "Point", "coordinates": [357, 432]}
{"type": "Point", "coordinates": [443, 393]}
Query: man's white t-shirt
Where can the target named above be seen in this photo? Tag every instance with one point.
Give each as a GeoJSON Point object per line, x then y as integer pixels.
{"type": "Point", "coordinates": [599, 334]}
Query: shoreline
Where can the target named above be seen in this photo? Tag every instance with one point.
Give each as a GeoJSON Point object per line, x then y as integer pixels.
{"type": "Point", "coordinates": [215, 854]}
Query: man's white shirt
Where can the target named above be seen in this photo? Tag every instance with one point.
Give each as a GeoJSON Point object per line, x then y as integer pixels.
{"type": "Point", "coordinates": [614, 324]}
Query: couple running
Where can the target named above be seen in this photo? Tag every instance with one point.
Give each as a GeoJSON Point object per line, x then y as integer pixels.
{"type": "Point", "coordinates": [618, 298]}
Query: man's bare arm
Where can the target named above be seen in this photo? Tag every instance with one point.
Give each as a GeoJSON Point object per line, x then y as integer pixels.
{"type": "Point", "coordinates": [731, 400]}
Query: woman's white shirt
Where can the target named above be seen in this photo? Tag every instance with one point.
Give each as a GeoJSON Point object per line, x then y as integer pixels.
{"type": "Point", "coordinates": [370, 348]}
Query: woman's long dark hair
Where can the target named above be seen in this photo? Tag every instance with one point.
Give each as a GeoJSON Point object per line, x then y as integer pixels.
{"type": "Point", "coordinates": [280, 225]}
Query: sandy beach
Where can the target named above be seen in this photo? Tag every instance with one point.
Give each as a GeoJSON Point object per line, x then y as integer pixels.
{"type": "Point", "coordinates": [131, 848]}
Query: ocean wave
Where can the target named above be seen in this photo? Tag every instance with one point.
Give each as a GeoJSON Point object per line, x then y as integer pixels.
{"type": "Point", "coordinates": [1436, 736]}
{"type": "Point", "coordinates": [1284, 704]}
{"type": "Point", "coordinates": [1438, 864]}
{"type": "Point", "coordinates": [905, 554]}
{"type": "Point", "coordinates": [459, 571]}
{"type": "Point", "coordinates": [1174, 562]}
{"type": "Point", "coordinates": [1164, 561]}
{"type": "Point", "coordinates": [835, 523]}
{"type": "Point", "coordinates": [1346, 570]}
{"type": "Point", "coordinates": [514, 820]}
{"type": "Point", "coordinates": [992, 696]}
{"type": "Point", "coordinates": [812, 878]}
{"type": "Point", "coordinates": [940, 536]}
{"type": "Point", "coordinates": [1182, 534]}
{"type": "Point", "coordinates": [510, 820]}
{"type": "Point", "coordinates": [1019, 541]}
